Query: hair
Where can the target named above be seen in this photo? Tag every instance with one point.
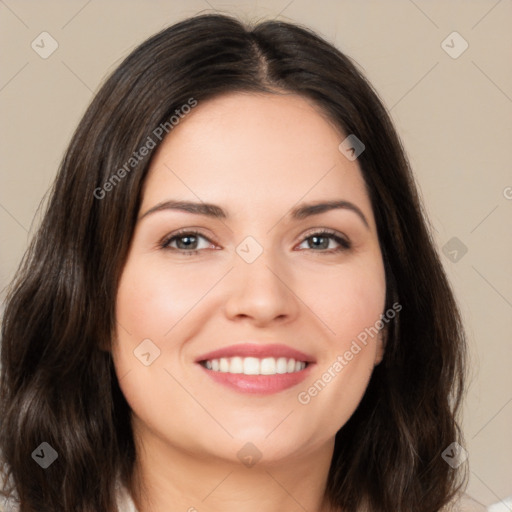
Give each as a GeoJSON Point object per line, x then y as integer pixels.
{"type": "Point", "coordinates": [58, 383]}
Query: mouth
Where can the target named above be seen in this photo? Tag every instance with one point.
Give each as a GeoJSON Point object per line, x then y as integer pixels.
{"type": "Point", "coordinates": [255, 368]}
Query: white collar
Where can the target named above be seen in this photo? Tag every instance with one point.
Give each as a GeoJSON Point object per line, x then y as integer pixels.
{"type": "Point", "coordinates": [123, 499]}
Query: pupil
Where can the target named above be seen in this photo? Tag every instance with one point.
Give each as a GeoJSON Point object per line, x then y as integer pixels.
{"type": "Point", "coordinates": [317, 238]}
{"type": "Point", "coordinates": [186, 245]}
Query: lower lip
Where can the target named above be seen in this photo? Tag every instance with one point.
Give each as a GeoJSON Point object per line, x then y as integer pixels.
{"type": "Point", "coordinates": [259, 384]}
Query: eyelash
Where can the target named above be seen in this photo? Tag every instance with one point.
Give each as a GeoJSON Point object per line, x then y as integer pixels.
{"type": "Point", "coordinates": [333, 235]}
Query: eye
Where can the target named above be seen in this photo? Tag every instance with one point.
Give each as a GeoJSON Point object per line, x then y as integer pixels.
{"type": "Point", "coordinates": [322, 240]}
{"type": "Point", "coordinates": [185, 242]}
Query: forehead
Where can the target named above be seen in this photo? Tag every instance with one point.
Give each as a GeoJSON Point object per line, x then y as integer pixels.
{"type": "Point", "coordinates": [254, 150]}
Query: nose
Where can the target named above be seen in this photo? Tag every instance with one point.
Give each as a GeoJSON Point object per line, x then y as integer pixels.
{"type": "Point", "coordinates": [261, 292]}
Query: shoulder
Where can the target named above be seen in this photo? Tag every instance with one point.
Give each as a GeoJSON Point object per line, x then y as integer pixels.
{"type": "Point", "coordinates": [464, 503]}
{"type": "Point", "coordinates": [10, 504]}
{"type": "Point", "coordinates": [124, 501]}
{"type": "Point", "coordinates": [123, 498]}
{"type": "Point", "coordinates": [461, 503]}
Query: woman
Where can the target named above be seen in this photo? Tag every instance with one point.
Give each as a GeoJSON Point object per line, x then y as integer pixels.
{"type": "Point", "coordinates": [233, 299]}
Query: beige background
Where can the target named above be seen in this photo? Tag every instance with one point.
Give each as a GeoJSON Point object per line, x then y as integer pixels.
{"type": "Point", "coordinates": [453, 114]}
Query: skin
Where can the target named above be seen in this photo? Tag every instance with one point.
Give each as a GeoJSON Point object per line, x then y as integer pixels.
{"type": "Point", "coordinates": [257, 156]}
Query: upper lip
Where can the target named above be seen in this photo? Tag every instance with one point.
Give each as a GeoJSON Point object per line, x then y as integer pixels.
{"type": "Point", "coordinates": [257, 350]}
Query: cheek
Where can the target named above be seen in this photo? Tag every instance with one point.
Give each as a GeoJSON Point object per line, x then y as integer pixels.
{"type": "Point", "coordinates": [154, 296]}
{"type": "Point", "coordinates": [347, 299]}
{"type": "Point", "coordinates": [349, 303]}
{"type": "Point", "coordinates": [152, 299]}
{"type": "Point", "coordinates": [155, 301]}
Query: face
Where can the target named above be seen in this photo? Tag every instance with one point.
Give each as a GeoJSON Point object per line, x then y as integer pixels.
{"type": "Point", "coordinates": [244, 321]}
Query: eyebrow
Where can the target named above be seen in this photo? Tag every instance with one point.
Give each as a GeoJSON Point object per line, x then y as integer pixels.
{"type": "Point", "coordinates": [298, 213]}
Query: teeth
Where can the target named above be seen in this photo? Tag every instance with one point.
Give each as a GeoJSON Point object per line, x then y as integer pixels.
{"type": "Point", "coordinates": [282, 365]}
{"type": "Point", "coordinates": [251, 366]}
{"type": "Point", "coordinates": [236, 365]}
{"type": "Point", "coordinates": [224, 364]}
{"type": "Point", "coordinates": [255, 366]}
{"type": "Point", "coordinates": [268, 366]}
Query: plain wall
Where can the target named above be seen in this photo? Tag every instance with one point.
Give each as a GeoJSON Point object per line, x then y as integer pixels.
{"type": "Point", "coordinates": [453, 115]}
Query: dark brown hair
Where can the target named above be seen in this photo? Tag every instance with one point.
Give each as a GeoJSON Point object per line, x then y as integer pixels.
{"type": "Point", "coordinates": [58, 383]}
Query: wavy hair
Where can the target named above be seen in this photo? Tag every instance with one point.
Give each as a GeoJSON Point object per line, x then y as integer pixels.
{"type": "Point", "coordinates": [58, 383]}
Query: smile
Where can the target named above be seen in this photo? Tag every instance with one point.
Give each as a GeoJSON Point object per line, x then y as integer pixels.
{"type": "Point", "coordinates": [257, 368]}
{"type": "Point", "coordinates": [254, 365]}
